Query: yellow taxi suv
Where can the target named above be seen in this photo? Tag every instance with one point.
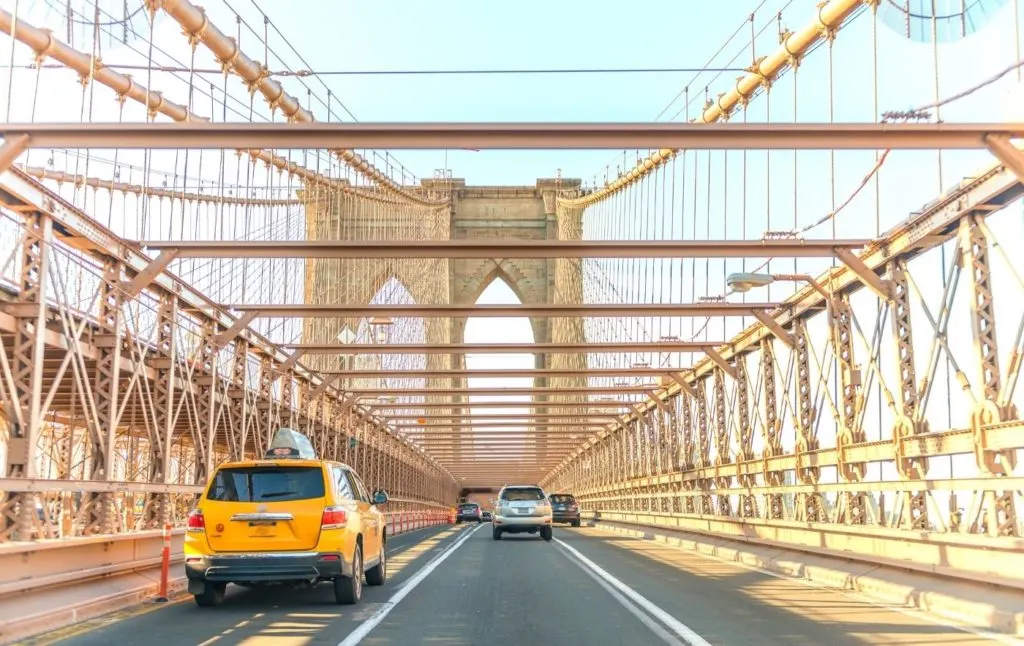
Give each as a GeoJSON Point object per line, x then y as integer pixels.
{"type": "Point", "coordinates": [289, 518]}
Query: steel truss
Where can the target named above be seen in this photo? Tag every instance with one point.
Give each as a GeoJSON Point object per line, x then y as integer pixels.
{"type": "Point", "coordinates": [136, 395]}
{"type": "Point", "coordinates": [687, 458]}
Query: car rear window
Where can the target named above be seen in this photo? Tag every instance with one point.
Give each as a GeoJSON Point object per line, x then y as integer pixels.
{"type": "Point", "coordinates": [266, 484]}
{"type": "Point", "coordinates": [468, 506]}
{"type": "Point", "coordinates": [562, 498]}
{"type": "Point", "coordinates": [523, 494]}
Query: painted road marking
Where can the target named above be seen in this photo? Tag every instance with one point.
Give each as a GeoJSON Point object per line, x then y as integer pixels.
{"type": "Point", "coordinates": [364, 628]}
{"type": "Point", "coordinates": [676, 626]}
{"type": "Point", "coordinates": [645, 619]}
{"type": "Point", "coordinates": [914, 613]}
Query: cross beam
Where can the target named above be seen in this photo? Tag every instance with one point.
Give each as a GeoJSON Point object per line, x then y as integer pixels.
{"type": "Point", "coordinates": [514, 136]}
{"type": "Point", "coordinates": [511, 417]}
{"type": "Point", "coordinates": [379, 406]}
{"type": "Point", "coordinates": [489, 373]}
{"type": "Point", "coordinates": [502, 348]}
{"type": "Point", "coordinates": [568, 310]}
{"type": "Point", "coordinates": [485, 249]}
{"type": "Point", "coordinates": [605, 390]}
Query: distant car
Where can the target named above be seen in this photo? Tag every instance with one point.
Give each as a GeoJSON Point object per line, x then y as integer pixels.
{"type": "Point", "coordinates": [486, 516]}
{"type": "Point", "coordinates": [522, 508]}
{"type": "Point", "coordinates": [564, 508]}
{"type": "Point", "coordinates": [468, 511]}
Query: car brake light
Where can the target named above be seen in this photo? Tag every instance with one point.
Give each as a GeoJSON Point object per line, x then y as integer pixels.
{"type": "Point", "coordinates": [196, 522]}
{"type": "Point", "coordinates": [333, 518]}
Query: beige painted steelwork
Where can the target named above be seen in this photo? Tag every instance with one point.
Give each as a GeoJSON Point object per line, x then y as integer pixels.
{"type": "Point", "coordinates": [46, 45]}
{"type": "Point", "coordinates": [51, 367]}
{"type": "Point", "coordinates": [793, 47]}
{"type": "Point", "coordinates": [518, 136]}
{"type": "Point", "coordinates": [505, 311]}
{"type": "Point", "coordinates": [486, 373]}
{"type": "Point", "coordinates": [498, 348]}
{"type": "Point", "coordinates": [149, 191]}
{"type": "Point", "coordinates": [167, 401]}
{"type": "Point", "coordinates": [486, 249]}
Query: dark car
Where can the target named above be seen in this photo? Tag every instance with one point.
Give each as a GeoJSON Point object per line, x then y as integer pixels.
{"type": "Point", "coordinates": [564, 509]}
{"type": "Point", "coordinates": [468, 511]}
{"type": "Point", "coordinates": [487, 517]}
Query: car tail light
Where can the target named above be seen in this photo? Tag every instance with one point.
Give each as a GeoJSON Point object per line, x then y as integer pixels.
{"type": "Point", "coordinates": [334, 517]}
{"type": "Point", "coordinates": [196, 522]}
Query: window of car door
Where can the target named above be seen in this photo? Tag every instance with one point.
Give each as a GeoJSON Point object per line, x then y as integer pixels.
{"type": "Point", "coordinates": [341, 483]}
{"type": "Point", "coordinates": [357, 487]}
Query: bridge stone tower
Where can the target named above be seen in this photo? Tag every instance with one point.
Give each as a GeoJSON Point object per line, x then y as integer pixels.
{"type": "Point", "coordinates": [470, 213]}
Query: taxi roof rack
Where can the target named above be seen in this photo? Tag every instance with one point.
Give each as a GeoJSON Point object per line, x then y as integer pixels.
{"type": "Point", "coordinates": [290, 444]}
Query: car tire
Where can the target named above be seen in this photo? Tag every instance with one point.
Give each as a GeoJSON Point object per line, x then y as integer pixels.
{"type": "Point", "coordinates": [378, 574]}
{"type": "Point", "coordinates": [576, 523]}
{"type": "Point", "coordinates": [496, 534]}
{"type": "Point", "coordinates": [546, 533]}
{"type": "Point", "coordinates": [212, 595]}
{"type": "Point", "coordinates": [349, 589]}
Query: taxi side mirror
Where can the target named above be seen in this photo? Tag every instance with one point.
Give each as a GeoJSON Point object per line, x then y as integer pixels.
{"type": "Point", "coordinates": [380, 497]}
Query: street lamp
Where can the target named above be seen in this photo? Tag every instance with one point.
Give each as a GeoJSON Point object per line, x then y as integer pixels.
{"type": "Point", "coordinates": [380, 325]}
{"type": "Point", "coordinates": [744, 282]}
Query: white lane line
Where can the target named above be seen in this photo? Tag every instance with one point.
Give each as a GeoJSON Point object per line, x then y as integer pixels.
{"type": "Point", "coordinates": [913, 613]}
{"type": "Point", "coordinates": [645, 619]}
{"type": "Point", "coordinates": [678, 627]}
{"type": "Point", "coordinates": [364, 628]}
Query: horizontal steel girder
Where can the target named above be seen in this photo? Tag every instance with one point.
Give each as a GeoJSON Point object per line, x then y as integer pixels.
{"type": "Point", "coordinates": [406, 406]}
{"type": "Point", "coordinates": [495, 373]}
{"type": "Point", "coordinates": [511, 418]}
{"type": "Point", "coordinates": [518, 392]}
{"type": "Point", "coordinates": [514, 136]}
{"type": "Point", "coordinates": [512, 426]}
{"type": "Point", "coordinates": [504, 311]}
{"type": "Point", "coordinates": [501, 348]}
{"type": "Point", "coordinates": [483, 249]}
{"type": "Point", "coordinates": [491, 434]}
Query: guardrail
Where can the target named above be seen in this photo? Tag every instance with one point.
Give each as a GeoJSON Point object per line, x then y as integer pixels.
{"type": "Point", "coordinates": [45, 584]}
{"type": "Point", "coordinates": [400, 522]}
{"type": "Point", "coordinates": [33, 565]}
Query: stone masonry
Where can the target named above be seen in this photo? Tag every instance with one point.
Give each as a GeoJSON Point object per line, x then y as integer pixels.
{"type": "Point", "coordinates": [473, 213]}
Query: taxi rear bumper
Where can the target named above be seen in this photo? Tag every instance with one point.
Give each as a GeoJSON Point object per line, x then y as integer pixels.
{"type": "Point", "coordinates": [266, 566]}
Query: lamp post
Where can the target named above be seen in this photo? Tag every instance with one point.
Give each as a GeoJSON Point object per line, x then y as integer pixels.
{"type": "Point", "coordinates": [744, 282]}
{"type": "Point", "coordinates": [381, 326]}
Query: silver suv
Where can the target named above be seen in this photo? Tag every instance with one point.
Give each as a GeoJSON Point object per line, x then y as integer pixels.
{"type": "Point", "coordinates": [522, 508]}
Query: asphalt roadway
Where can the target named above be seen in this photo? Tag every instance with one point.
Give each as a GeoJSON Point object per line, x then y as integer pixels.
{"type": "Point", "coordinates": [456, 585]}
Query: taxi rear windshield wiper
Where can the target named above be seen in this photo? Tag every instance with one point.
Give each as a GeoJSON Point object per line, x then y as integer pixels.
{"type": "Point", "coordinates": [278, 494]}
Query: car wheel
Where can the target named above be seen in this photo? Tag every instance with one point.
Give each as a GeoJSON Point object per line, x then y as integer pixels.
{"type": "Point", "coordinates": [576, 523]}
{"type": "Point", "coordinates": [349, 589]}
{"type": "Point", "coordinates": [212, 595]}
{"type": "Point", "coordinates": [378, 574]}
{"type": "Point", "coordinates": [546, 533]}
{"type": "Point", "coordinates": [496, 534]}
